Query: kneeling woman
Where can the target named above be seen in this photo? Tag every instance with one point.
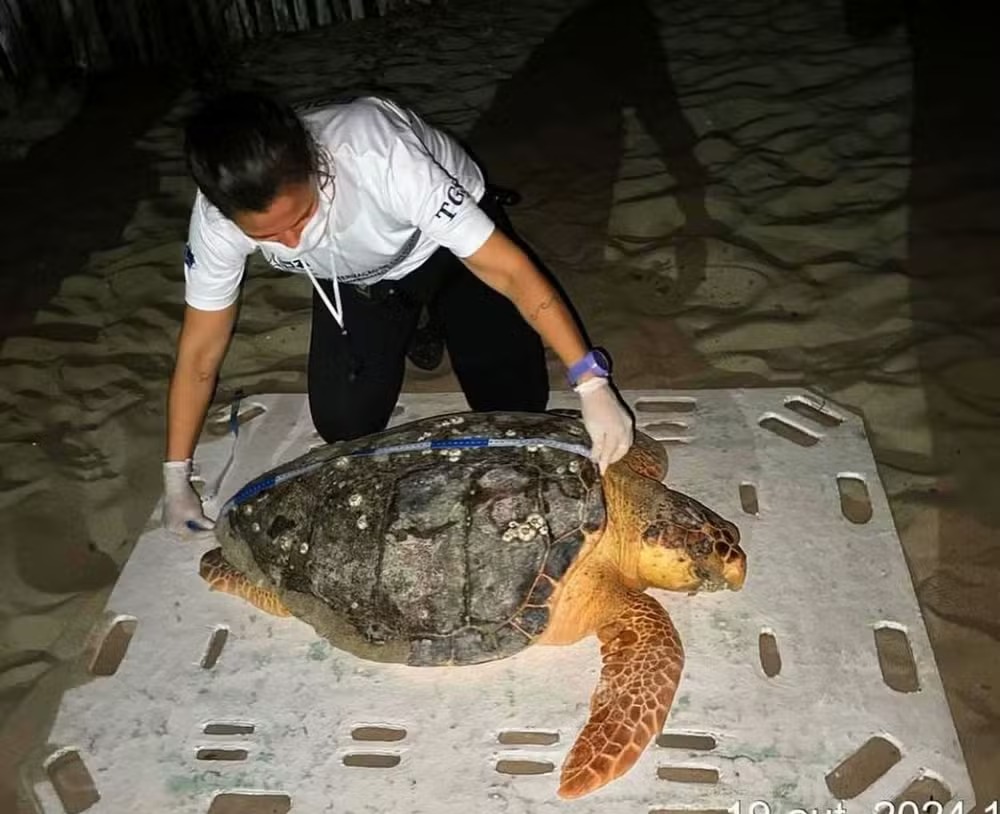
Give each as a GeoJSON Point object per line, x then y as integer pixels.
{"type": "Point", "coordinates": [386, 216]}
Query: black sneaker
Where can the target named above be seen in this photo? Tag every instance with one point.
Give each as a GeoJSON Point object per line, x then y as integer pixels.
{"type": "Point", "coordinates": [426, 348]}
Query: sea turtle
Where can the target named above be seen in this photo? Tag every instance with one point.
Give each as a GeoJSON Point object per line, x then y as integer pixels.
{"type": "Point", "coordinates": [469, 554]}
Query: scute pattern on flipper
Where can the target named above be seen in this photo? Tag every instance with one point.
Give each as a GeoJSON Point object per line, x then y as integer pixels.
{"type": "Point", "coordinates": [647, 457]}
{"type": "Point", "coordinates": [642, 663]}
{"type": "Point", "coordinates": [221, 576]}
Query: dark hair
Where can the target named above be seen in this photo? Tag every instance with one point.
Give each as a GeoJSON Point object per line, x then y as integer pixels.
{"type": "Point", "coordinates": [242, 147]}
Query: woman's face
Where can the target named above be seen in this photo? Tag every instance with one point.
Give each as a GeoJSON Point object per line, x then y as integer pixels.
{"type": "Point", "coordinates": [286, 217]}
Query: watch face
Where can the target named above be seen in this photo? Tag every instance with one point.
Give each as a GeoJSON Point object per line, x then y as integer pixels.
{"type": "Point", "coordinates": [602, 360]}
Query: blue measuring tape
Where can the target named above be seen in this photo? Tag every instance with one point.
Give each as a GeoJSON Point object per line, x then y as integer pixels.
{"type": "Point", "coordinates": [254, 488]}
{"type": "Point", "coordinates": [234, 428]}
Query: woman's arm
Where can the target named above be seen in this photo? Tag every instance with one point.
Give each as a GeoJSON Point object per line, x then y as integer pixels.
{"type": "Point", "coordinates": [506, 268]}
{"type": "Point", "coordinates": [201, 348]}
{"type": "Point", "coordinates": [503, 266]}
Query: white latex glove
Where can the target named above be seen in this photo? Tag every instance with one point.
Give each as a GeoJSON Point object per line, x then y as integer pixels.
{"type": "Point", "coordinates": [182, 512]}
{"type": "Point", "coordinates": [607, 421]}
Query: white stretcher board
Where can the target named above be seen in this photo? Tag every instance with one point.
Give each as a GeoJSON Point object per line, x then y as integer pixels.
{"type": "Point", "coordinates": [820, 583]}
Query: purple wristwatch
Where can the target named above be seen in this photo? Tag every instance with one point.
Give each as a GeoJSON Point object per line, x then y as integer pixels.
{"type": "Point", "coordinates": [596, 362]}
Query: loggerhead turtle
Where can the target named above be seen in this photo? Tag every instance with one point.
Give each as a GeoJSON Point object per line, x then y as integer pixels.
{"type": "Point", "coordinates": [464, 555]}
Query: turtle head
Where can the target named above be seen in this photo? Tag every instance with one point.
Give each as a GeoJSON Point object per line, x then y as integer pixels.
{"type": "Point", "coordinates": [688, 547]}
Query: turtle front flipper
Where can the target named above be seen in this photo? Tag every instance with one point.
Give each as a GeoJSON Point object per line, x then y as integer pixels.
{"type": "Point", "coordinates": [221, 576]}
{"type": "Point", "coordinates": [643, 659]}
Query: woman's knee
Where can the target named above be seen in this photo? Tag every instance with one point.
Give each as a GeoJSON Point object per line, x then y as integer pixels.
{"type": "Point", "coordinates": [339, 422]}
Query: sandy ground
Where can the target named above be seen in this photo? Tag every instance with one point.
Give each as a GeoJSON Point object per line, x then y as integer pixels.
{"type": "Point", "coordinates": [740, 195]}
{"type": "Point", "coordinates": [34, 113]}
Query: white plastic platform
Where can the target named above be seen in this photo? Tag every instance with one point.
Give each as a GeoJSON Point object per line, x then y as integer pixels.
{"type": "Point", "coordinates": [820, 583]}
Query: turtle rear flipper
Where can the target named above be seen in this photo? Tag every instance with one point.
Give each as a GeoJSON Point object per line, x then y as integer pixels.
{"type": "Point", "coordinates": [221, 576]}
{"type": "Point", "coordinates": [643, 659]}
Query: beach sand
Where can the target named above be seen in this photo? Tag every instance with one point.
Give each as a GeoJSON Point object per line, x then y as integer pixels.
{"type": "Point", "coordinates": [741, 195]}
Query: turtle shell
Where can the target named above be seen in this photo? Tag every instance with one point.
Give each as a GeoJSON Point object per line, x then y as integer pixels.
{"type": "Point", "coordinates": [425, 557]}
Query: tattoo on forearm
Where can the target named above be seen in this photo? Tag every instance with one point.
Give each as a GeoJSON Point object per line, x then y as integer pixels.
{"type": "Point", "coordinates": [543, 306]}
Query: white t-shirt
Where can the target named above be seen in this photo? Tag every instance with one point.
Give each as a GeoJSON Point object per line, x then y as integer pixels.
{"type": "Point", "coordinates": [401, 189]}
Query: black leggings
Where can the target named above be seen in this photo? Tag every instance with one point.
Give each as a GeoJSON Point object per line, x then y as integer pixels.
{"type": "Point", "coordinates": [354, 380]}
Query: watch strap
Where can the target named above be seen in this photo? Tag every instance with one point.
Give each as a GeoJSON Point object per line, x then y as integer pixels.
{"type": "Point", "coordinates": [591, 363]}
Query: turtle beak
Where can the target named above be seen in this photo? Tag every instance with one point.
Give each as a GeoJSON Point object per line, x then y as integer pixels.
{"type": "Point", "coordinates": [734, 572]}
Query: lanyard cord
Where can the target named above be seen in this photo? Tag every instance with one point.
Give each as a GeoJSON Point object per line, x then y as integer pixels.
{"type": "Point", "coordinates": [337, 312]}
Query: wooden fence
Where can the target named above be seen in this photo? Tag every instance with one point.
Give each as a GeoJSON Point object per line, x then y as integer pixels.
{"type": "Point", "coordinates": [56, 37]}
